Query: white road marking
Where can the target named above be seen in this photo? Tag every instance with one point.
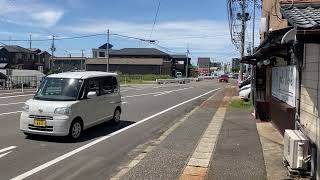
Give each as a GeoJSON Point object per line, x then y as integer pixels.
{"type": "Point", "coordinates": [11, 103]}
{"type": "Point", "coordinates": [2, 155]}
{"type": "Point", "coordinates": [167, 92]}
{"type": "Point", "coordinates": [159, 92]}
{"type": "Point", "coordinates": [124, 102]}
{"type": "Point", "coordinates": [71, 153]}
{"type": "Point", "coordinates": [14, 112]}
{"type": "Point", "coordinates": [17, 92]}
{"type": "Point", "coordinates": [5, 97]}
{"type": "Point", "coordinates": [7, 149]}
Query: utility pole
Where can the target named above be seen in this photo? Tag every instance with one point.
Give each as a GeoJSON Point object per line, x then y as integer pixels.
{"type": "Point", "coordinates": [82, 59]}
{"type": "Point", "coordinates": [253, 23]}
{"type": "Point", "coordinates": [30, 41]}
{"type": "Point", "coordinates": [242, 34]}
{"type": "Point", "coordinates": [187, 62]}
{"type": "Point", "coordinates": [53, 49]}
{"type": "Point", "coordinates": [253, 83]}
{"type": "Point", "coordinates": [108, 39]}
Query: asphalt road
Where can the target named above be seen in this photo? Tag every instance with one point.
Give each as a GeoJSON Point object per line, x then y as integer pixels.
{"type": "Point", "coordinates": [148, 110]}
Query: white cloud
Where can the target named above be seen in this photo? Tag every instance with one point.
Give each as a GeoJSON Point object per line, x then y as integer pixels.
{"type": "Point", "coordinates": [204, 37]}
{"type": "Point", "coordinates": [49, 17]}
{"type": "Point", "coordinates": [30, 12]}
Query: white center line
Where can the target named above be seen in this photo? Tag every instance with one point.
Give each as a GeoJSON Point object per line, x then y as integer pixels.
{"type": "Point", "coordinates": [7, 149]}
{"type": "Point", "coordinates": [71, 153]}
{"type": "Point", "coordinates": [11, 103]}
{"type": "Point", "coordinates": [167, 92]}
{"type": "Point", "coordinates": [2, 155]}
{"type": "Point", "coordinates": [159, 92]}
{"type": "Point", "coordinates": [5, 97]}
{"type": "Point", "coordinates": [17, 92]}
{"type": "Point", "coordinates": [14, 112]}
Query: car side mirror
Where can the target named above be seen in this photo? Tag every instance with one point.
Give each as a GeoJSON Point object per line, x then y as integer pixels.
{"type": "Point", "coordinates": [92, 94]}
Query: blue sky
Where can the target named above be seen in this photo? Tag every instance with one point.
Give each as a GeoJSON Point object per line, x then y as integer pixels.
{"type": "Point", "coordinates": [201, 25]}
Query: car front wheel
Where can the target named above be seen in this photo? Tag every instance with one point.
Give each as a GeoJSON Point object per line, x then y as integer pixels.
{"type": "Point", "coordinates": [75, 130]}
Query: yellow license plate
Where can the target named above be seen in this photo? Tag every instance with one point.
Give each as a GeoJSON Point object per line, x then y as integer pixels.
{"type": "Point", "coordinates": [39, 122]}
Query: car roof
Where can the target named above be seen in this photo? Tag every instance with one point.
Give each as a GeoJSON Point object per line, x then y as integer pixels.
{"type": "Point", "coordinates": [81, 74]}
{"type": "Point", "coordinates": [248, 85]}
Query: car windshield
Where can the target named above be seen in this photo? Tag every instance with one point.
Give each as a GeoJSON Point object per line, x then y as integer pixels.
{"type": "Point", "coordinates": [59, 89]}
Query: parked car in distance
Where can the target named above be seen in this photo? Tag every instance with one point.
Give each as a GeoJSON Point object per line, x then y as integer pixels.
{"type": "Point", "coordinates": [68, 103]}
{"type": "Point", "coordinates": [235, 76]}
{"type": "Point", "coordinates": [178, 75]}
{"type": "Point", "coordinates": [245, 82]}
{"type": "Point", "coordinates": [224, 78]}
{"type": "Point", "coordinates": [245, 92]}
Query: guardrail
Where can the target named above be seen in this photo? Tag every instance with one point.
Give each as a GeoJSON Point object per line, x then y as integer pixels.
{"type": "Point", "coordinates": [178, 80]}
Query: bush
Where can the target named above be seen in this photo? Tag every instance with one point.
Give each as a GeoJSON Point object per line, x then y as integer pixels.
{"type": "Point", "coordinates": [240, 104]}
{"type": "Point", "coordinates": [136, 78]}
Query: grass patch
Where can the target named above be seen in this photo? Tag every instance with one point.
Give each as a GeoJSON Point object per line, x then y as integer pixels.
{"type": "Point", "coordinates": [240, 104]}
{"type": "Point", "coordinates": [140, 79]}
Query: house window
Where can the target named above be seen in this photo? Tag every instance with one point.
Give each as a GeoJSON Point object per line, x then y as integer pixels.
{"type": "Point", "coordinates": [102, 54]}
{"type": "Point", "coordinates": [94, 54]}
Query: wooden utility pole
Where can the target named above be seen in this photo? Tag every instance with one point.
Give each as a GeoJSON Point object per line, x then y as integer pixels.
{"type": "Point", "coordinates": [242, 34]}
{"type": "Point", "coordinates": [108, 39]}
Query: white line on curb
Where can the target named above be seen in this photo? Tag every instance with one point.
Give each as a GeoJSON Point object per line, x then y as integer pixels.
{"type": "Point", "coordinates": [14, 112]}
{"type": "Point", "coordinates": [71, 153]}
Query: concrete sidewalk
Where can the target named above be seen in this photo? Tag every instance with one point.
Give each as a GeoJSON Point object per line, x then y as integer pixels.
{"type": "Point", "coordinates": [211, 142]}
{"type": "Point", "coordinates": [238, 152]}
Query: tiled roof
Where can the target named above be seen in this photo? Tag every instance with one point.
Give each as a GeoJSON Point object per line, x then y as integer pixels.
{"type": "Point", "coordinates": [178, 56]}
{"type": "Point", "coordinates": [303, 16]}
{"type": "Point", "coordinates": [14, 48]}
{"type": "Point", "coordinates": [126, 61]}
{"type": "Point", "coordinates": [138, 52]}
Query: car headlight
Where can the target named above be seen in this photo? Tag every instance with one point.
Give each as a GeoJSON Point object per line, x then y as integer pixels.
{"type": "Point", "coordinates": [63, 110]}
{"type": "Point", "coordinates": [25, 107]}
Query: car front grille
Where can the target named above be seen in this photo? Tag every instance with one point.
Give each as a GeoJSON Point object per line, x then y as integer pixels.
{"type": "Point", "coordinates": [37, 128]}
{"type": "Point", "coordinates": [41, 117]}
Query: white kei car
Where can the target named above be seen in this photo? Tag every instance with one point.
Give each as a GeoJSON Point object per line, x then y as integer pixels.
{"type": "Point", "coordinates": [67, 103]}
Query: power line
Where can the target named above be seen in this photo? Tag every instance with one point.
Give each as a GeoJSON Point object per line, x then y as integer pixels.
{"type": "Point", "coordinates": [63, 38]}
{"type": "Point", "coordinates": [132, 37]}
{"type": "Point", "coordinates": [155, 18]}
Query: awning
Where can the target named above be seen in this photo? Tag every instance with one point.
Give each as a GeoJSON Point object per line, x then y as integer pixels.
{"type": "Point", "coordinates": [3, 76]}
{"type": "Point", "coordinates": [3, 65]}
{"type": "Point", "coordinates": [271, 46]}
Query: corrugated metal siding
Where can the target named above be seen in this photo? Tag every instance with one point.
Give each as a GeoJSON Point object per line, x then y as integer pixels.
{"type": "Point", "coordinates": [309, 114]}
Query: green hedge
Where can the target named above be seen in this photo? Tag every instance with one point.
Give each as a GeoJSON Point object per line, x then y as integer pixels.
{"type": "Point", "coordinates": [137, 78]}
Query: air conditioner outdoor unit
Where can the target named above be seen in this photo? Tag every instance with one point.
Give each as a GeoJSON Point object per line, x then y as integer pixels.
{"type": "Point", "coordinates": [296, 147]}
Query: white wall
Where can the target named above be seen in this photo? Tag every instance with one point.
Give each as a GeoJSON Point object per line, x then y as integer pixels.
{"type": "Point", "coordinates": [310, 94]}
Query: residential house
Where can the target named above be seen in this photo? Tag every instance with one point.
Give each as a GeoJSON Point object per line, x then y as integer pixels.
{"type": "Point", "coordinates": [287, 67]}
{"type": "Point", "coordinates": [63, 64]}
{"type": "Point", "coordinates": [41, 60]}
{"type": "Point", "coordinates": [17, 57]}
{"type": "Point", "coordinates": [101, 52]}
{"type": "Point", "coordinates": [130, 61]}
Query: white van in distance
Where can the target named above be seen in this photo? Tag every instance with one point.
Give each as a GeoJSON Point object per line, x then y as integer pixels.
{"type": "Point", "coordinates": [67, 103]}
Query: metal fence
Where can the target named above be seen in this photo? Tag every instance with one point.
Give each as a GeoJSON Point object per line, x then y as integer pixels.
{"type": "Point", "coordinates": [15, 82]}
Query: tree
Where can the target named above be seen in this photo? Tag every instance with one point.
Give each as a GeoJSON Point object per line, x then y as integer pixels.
{"type": "Point", "coordinates": [235, 70]}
